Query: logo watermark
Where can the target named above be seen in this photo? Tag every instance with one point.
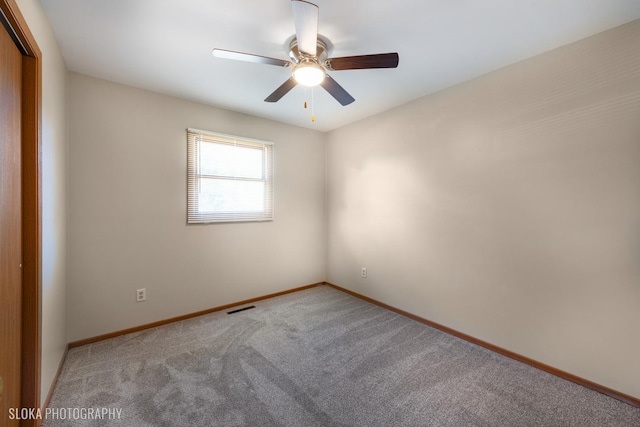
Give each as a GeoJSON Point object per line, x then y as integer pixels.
{"type": "Point", "coordinates": [65, 413]}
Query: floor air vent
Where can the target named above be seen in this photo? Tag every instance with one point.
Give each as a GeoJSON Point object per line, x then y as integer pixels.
{"type": "Point", "coordinates": [241, 309]}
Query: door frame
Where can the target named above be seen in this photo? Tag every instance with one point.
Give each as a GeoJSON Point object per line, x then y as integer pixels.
{"type": "Point", "coordinates": [31, 205]}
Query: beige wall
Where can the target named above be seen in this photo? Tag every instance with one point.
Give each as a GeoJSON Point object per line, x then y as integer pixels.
{"type": "Point", "coordinates": [54, 164]}
{"type": "Point", "coordinates": [127, 211]}
{"type": "Point", "coordinates": [507, 208]}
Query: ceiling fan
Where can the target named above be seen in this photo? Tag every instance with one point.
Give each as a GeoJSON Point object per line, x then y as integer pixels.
{"type": "Point", "coordinates": [309, 60]}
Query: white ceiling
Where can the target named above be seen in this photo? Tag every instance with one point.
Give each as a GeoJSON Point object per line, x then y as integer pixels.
{"type": "Point", "coordinates": [165, 46]}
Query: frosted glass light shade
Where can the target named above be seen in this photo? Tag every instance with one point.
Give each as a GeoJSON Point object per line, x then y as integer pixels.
{"type": "Point", "coordinates": [309, 74]}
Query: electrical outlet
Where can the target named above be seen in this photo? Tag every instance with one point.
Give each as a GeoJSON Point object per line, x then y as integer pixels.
{"type": "Point", "coordinates": [364, 272]}
{"type": "Point", "coordinates": [141, 294]}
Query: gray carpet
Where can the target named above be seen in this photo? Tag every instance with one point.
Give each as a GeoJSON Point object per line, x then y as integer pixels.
{"type": "Point", "coordinates": [317, 357]}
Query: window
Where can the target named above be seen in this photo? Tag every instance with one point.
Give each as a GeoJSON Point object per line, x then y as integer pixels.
{"type": "Point", "coordinates": [228, 178]}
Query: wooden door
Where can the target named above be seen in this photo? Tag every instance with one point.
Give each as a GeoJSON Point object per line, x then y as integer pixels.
{"type": "Point", "coordinates": [10, 227]}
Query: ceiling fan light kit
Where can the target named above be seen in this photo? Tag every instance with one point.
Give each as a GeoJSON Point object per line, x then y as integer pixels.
{"type": "Point", "coordinates": [309, 56]}
{"type": "Point", "coordinates": [308, 73]}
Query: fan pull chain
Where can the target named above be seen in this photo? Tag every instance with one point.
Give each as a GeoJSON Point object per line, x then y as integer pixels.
{"type": "Point", "coordinates": [313, 117]}
{"type": "Point", "coordinates": [306, 94]}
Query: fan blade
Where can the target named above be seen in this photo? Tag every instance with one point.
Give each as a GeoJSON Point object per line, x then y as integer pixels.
{"type": "Point", "coordinates": [248, 57]}
{"type": "Point", "coordinates": [305, 17]}
{"type": "Point", "coordinates": [337, 91]}
{"type": "Point", "coordinates": [380, 60]}
{"type": "Point", "coordinates": [282, 90]}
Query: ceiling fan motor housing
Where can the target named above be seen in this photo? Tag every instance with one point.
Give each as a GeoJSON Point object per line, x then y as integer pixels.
{"type": "Point", "coordinates": [321, 52]}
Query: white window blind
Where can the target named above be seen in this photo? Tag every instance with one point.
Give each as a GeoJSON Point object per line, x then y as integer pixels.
{"type": "Point", "coordinates": [228, 178]}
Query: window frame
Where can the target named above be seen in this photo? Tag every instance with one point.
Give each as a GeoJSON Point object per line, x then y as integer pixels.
{"type": "Point", "coordinates": [194, 178]}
